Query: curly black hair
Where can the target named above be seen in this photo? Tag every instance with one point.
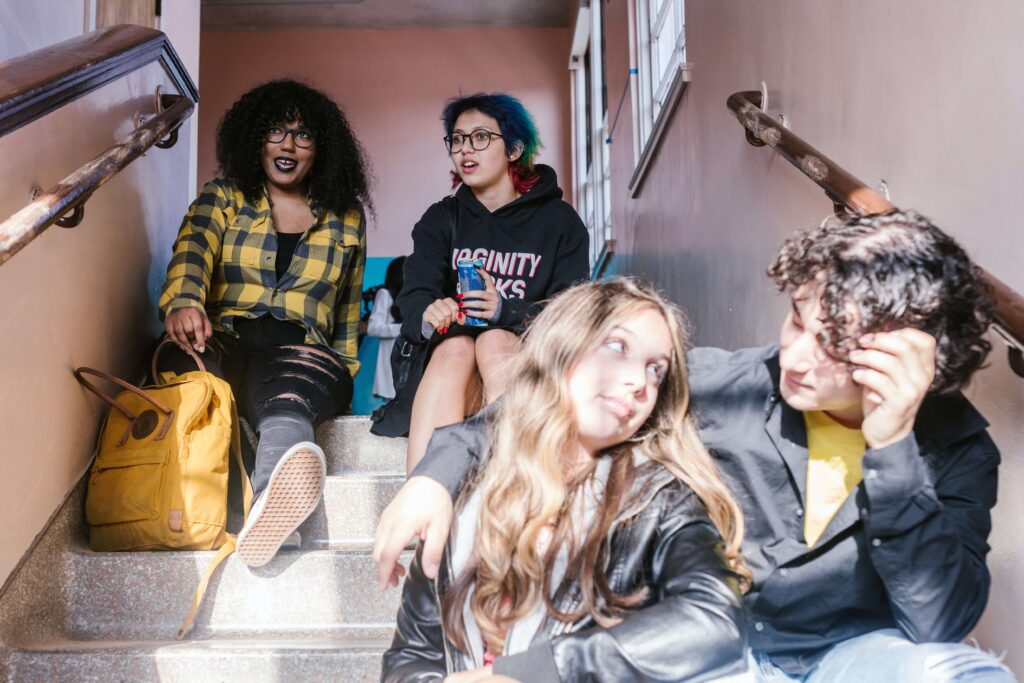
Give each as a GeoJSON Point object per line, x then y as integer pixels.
{"type": "Point", "coordinates": [897, 270]}
{"type": "Point", "coordinates": [339, 179]}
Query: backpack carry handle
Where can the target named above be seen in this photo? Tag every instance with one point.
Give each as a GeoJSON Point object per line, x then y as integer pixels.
{"type": "Point", "coordinates": [166, 341]}
{"type": "Point", "coordinates": [129, 415]}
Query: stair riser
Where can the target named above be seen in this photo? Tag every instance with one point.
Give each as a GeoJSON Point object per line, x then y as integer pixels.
{"type": "Point", "coordinates": [349, 511]}
{"type": "Point", "coordinates": [133, 596]}
{"type": "Point", "coordinates": [309, 615]}
{"type": "Point", "coordinates": [170, 666]}
{"type": "Point", "coordinates": [350, 447]}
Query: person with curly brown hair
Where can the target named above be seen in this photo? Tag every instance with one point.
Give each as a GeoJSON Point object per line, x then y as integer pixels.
{"type": "Point", "coordinates": [265, 283]}
{"type": "Point", "coordinates": [866, 478]}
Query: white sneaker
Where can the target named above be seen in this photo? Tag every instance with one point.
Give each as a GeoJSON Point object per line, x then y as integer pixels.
{"type": "Point", "coordinates": [293, 492]}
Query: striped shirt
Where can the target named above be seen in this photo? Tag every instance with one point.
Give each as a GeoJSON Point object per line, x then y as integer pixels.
{"type": "Point", "coordinates": [224, 262]}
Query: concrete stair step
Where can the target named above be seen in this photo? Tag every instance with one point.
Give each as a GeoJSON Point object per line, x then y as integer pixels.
{"type": "Point", "coordinates": [312, 614]}
{"type": "Point", "coordinates": [350, 509]}
{"type": "Point", "coordinates": [354, 656]}
{"type": "Point", "coordinates": [351, 448]}
{"type": "Point", "coordinates": [132, 596]}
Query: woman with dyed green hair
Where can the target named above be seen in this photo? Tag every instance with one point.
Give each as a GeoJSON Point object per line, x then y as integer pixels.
{"type": "Point", "coordinates": [508, 219]}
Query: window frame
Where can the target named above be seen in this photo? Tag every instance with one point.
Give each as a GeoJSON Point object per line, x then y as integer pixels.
{"type": "Point", "coordinates": [657, 87]}
{"type": "Point", "coordinates": [591, 181]}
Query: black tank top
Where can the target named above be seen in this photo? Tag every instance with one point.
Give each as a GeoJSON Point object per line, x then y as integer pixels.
{"type": "Point", "coordinates": [286, 242]}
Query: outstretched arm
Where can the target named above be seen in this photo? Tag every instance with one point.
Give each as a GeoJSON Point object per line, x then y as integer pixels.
{"type": "Point", "coordinates": [417, 650]}
{"type": "Point", "coordinates": [190, 271]}
{"type": "Point", "coordinates": [423, 506]}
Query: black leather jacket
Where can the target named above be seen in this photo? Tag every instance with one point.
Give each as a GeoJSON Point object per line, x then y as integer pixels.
{"type": "Point", "coordinates": [690, 627]}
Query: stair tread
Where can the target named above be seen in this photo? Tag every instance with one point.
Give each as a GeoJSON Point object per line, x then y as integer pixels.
{"type": "Point", "coordinates": [113, 615]}
{"type": "Point", "coordinates": [372, 477]}
{"type": "Point", "coordinates": [348, 548]}
{"type": "Point", "coordinates": [362, 639]}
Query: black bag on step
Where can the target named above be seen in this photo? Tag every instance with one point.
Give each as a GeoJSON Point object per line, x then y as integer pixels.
{"type": "Point", "coordinates": [408, 361]}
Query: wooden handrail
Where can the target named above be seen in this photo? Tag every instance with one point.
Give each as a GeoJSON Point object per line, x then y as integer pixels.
{"type": "Point", "coordinates": [35, 84]}
{"type": "Point", "coordinates": [847, 191]}
{"type": "Point", "coordinates": [72, 192]}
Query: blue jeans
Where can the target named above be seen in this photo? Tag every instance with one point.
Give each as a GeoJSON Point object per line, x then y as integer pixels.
{"type": "Point", "coordinates": [888, 657]}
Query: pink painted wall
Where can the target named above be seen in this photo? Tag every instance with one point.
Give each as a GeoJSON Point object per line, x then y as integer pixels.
{"type": "Point", "coordinates": [392, 85]}
{"type": "Point", "coordinates": [882, 92]}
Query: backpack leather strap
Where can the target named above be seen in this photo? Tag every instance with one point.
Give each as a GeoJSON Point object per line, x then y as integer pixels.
{"type": "Point", "coordinates": [229, 545]}
{"type": "Point", "coordinates": [129, 415]}
{"type": "Point", "coordinates": [197, 599]}
{"type": "Point", "coordinates": [166, 341]}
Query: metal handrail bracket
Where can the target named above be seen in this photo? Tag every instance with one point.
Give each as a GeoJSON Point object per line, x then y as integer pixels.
{"type": "Point", "coordinates": [847, 191]}
{"type": "Point", "coordinates": [71, 192]}
{"type": "Point", "coordinates": [36, 84]}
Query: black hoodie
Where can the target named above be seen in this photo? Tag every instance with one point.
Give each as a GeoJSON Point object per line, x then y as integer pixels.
{"type": "Point", "coordinates": [533, 247]}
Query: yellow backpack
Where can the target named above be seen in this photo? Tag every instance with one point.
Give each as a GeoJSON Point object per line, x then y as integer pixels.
{"type": "Point", "coordinates": [160, 478]}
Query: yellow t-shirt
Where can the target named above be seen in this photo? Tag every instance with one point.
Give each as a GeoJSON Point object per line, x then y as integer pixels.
{"type": "Point", "coordinates": [834, 460]}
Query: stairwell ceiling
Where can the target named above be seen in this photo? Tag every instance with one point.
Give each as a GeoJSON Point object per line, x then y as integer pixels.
{"type": "Point", "coordinates": [251, 15]}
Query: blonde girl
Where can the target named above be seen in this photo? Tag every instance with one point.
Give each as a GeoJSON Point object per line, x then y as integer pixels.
{"type": "Point", "coordinates": [590, 545]}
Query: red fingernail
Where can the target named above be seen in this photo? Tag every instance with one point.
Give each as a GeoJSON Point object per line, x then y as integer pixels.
{"type": "Point", "coordinates": [458, 296]}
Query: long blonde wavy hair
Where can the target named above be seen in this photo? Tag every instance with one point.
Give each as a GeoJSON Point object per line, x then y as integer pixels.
{"type": "Point", "coordinates": [524, 486]}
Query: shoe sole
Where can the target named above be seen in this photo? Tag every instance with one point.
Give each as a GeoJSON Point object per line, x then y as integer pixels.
{"type": "Point", "coordinates": [292, 495]}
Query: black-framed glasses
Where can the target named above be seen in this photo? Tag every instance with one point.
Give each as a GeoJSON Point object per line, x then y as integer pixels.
{"type": "Point", "coordinates": [479, 139]}
{"type": "Point", "coordinates": [302, 137]}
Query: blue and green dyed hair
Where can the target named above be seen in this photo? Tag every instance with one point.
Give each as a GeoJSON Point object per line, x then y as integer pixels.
{"type": "Point", "coordinates": [516, 124]}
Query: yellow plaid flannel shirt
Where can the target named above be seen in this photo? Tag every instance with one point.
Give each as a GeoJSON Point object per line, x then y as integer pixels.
{"type": "Point", "coordinates": [224, 262]}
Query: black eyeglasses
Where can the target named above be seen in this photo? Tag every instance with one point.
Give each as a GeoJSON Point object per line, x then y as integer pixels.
{"type": "Point", "coordinates": [302, 137]}
{"type": "Point", "coordinates": [479, 139]}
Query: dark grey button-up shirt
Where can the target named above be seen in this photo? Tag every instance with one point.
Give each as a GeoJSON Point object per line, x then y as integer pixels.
{"type": "Point", "coordinates": [907, 548]}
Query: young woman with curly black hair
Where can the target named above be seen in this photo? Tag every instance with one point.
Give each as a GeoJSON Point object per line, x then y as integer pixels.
{"type": "Point", "coordinates": [265, 283]}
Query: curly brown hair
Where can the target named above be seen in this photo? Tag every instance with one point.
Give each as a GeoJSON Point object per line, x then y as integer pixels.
{"type": "Point", "coordinates": [897, 270]}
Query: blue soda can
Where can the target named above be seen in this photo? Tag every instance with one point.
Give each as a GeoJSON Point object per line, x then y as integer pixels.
{"type": "Point", "coordinates": [470, 280]}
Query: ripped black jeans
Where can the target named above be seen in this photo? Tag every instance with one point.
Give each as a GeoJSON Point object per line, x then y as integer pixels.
{"type": "Point", "coordinates": [283, 386]}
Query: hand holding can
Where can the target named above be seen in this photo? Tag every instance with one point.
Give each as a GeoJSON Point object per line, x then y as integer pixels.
{"type": "Point", "coordinates": [476, 291]}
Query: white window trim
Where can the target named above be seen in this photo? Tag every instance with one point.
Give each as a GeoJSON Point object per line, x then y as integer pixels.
{"type": "Point", "coordinates": [650, 128]}
{"type": "Point", "coordinates": [592, 184]}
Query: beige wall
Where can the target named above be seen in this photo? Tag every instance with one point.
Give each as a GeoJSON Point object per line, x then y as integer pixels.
{"type": "Point", "coordinates": [392, 86]}
{"type": "Point", "coordinates": [180, 21]}
{"type": "Point", "coordinates": [924, 94]}
{"type": "Point", "coordinates": [74, 297]}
